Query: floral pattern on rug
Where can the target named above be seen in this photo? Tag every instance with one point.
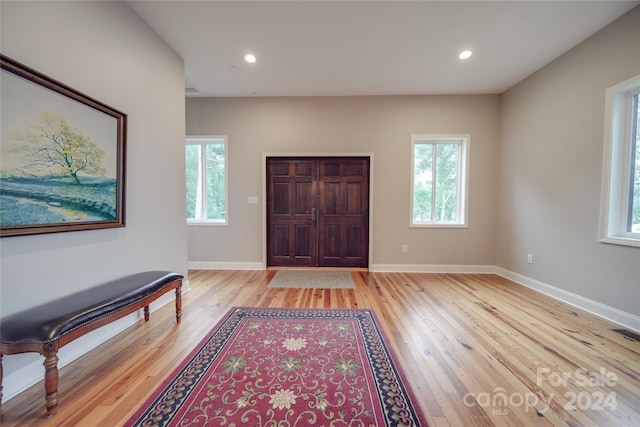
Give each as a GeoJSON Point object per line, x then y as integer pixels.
{"type": "Point", "coordinates": [286, 367]}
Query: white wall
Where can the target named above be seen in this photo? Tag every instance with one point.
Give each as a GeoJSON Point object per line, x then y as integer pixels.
{"type": "Point", "coordinates": [381, 125]}
{"type": "Point", "coordinates": [550, 175]}
{"type": "Point", "coordinates": [105, 51]}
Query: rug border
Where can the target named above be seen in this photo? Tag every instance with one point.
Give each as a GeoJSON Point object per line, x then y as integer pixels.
{"type": "Point", "coordinates": [390, 351]}
{"type": "Point", "coordinates": [398, 368]}
{"type": "Point", "coordinates": [183, 362]}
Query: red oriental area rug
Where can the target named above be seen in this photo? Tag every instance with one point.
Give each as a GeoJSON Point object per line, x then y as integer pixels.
{"type": "Point", "coordinates": [287, 367]}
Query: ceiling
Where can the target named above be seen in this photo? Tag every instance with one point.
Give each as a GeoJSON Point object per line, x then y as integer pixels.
{"type": "Point", "coordinates": [327, 48]}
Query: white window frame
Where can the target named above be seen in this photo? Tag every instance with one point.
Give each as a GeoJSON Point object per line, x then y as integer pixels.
{"type": "Point", "coordinates": [616, 167]}
{"type": "Point", "coordinates": [203, 140]}
{"type": "Point", "coordinates": [463, 182]}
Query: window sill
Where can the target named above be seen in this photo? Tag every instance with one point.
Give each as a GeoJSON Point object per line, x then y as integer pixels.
{"type": "Point", "coordinates": [624, 241]}
{"type": "Point", "coordinates": [438, 225]}
{"type": "Point", "coordinates": [207, 223]}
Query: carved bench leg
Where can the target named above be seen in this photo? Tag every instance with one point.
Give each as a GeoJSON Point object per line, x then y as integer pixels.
{"type": "Point", "coordinates": [179, 303]}
{"type": "Point", "coordinates": [51, 378]}
{"type": "Point", "coordinates": [146, 313]}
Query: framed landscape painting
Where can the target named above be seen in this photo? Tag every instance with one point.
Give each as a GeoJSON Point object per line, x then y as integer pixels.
{"type": "Point", "coordinates": [62, 156]}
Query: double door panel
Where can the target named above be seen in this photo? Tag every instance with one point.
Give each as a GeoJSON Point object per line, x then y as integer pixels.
{"type": "Point", "coordinates": [318, 212]}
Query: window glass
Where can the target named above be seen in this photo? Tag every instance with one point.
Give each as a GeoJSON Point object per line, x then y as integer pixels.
{"type": "Point", "coordinates": [438, 180]}
{"type": "Point", "coordinates": [194, 182]}
{"type": "Point", "coordinates": [633, 222]}
{"type": "Point", "coordinates": [206, 178]}
{"type": "Point", "coordinates": [216, 203]}
{"type": "Point", "coordinates": [620, 203]}
{"type": "Point", "coordinates": [423, 183]}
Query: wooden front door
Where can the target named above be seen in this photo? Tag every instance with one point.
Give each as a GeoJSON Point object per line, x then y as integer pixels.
{"type": "Point", "coordinates": [318, 212]}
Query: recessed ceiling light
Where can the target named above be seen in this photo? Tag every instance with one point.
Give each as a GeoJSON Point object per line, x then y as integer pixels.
{"type": "Point", "coordinates": [250, 58]}
{"type": "Point", "coordinates": [465, 54]}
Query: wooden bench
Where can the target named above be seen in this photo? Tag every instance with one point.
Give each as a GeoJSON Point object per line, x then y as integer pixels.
{"type": "Point", "coordinates": [46, 328]}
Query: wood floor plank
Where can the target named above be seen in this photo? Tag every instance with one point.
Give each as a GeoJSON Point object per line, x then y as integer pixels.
{"type": "Point", "coordinates": [473, 347]}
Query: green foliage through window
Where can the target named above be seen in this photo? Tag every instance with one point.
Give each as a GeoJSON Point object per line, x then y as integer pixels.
{"type": "Point", "coordinates": [206, 179]}
{"type": "Point", "coordinates": [438, 176]}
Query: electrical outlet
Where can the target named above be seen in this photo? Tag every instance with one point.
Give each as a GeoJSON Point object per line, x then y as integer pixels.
{"type": "Point", "coordinates": [530, 258]}
{"type": "Point", "coordinates": [405, 248]}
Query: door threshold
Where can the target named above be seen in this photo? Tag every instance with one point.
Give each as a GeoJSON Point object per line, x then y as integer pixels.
{"type": "Point", "coordinates": [318, 268]}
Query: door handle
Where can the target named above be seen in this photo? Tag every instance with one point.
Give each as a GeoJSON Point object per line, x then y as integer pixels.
{"type": "Point", "coordinates": [313, 214]}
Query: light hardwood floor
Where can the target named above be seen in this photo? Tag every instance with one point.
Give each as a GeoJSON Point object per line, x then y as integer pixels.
{"type": "Point", "coordinates": [479, 350]}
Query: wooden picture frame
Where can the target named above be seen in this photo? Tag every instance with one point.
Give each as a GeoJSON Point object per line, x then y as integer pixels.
{"type": "Point", "coordinates": [62, 156]}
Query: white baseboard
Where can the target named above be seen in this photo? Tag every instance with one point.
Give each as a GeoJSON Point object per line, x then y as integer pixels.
{"type": "Point", "coordinates": [433, 268]}
{"type": "Point", "coordinates": [23, 370]}
{"type": "Point", "coordinates": [20, 376]}
{"type": "Point", "coordinates": [214, 265]}
{"type": "Point", "coordinates": [628, 320]}
{"type": "Point", "coordinates": [625, 319]}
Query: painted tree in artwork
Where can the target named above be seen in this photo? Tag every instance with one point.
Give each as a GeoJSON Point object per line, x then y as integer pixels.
{"type": "Point", "coordinates": [50, 147]}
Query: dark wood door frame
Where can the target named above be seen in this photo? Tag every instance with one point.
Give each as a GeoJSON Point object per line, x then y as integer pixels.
{"type": "Point", "coordinates": [314, 155]}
